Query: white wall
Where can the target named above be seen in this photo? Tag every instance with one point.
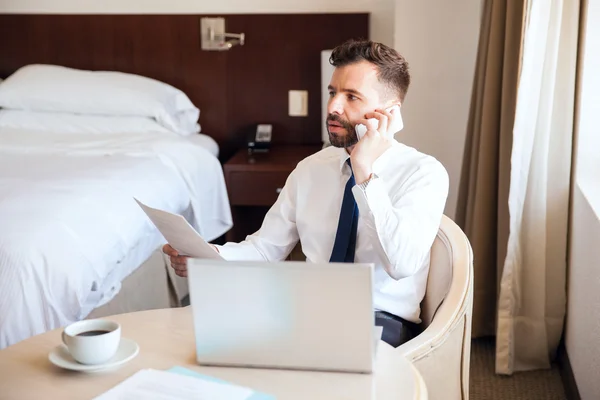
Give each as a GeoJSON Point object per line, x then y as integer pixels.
{"type": "Point", "coordinates": [582, 340]}
{"type": "Point", "coordinates": [382, 11]}
{"type": "Point", "coordinates": [439, 39]}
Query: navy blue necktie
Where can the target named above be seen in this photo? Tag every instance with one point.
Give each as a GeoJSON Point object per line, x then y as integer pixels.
{"type": "Point", "coordinates": [345, 238]}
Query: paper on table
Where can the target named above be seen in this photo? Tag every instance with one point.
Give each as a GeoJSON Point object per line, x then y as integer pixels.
{"type": "Point", "coordinates": [180, 234]}
{"type": "Point", "coordinates": [157, 385]}
{"type": "Point", "coordinates": [188, 372]}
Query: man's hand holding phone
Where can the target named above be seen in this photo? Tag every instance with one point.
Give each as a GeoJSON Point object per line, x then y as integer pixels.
{"type": "Point", "coordinates": [381, 127]}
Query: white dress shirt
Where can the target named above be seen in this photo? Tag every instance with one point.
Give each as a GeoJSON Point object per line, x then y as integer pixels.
{"type": "Point", "coordinates": [399, 216]}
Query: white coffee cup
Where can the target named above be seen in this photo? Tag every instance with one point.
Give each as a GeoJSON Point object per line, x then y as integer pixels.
{"type": "Point", "coordinates": [92, 341]}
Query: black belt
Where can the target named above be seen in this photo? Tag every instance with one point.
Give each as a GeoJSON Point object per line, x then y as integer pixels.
{"type": "Point", "coordinates": [386, 315]}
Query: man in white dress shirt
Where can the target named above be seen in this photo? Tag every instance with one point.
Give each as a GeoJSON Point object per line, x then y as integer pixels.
{"type": "Point", "coordinates": [372, 200]}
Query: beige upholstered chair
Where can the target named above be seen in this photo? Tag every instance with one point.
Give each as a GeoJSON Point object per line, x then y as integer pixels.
{"type": "Point", "coordinates": [442, 351]}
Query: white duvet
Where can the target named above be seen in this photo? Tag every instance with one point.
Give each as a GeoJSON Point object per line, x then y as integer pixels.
{"type": "Point", "coordinates": [70, 230]}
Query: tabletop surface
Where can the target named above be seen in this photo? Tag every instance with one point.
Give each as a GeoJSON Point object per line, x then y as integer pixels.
{"type": "Point", "coordinates": [166, 340]}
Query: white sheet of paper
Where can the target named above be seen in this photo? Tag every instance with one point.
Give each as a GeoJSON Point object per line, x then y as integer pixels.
{"type": "Point", "coordinates": [151, 384]}
{"type": "Point", "coordinates": [180, 234]}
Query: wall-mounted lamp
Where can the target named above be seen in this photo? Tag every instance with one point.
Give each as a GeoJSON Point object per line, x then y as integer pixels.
{"type": "Point", "coordinates": [214, 37]}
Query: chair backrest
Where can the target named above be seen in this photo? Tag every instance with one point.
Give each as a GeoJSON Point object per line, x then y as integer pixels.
{"type": "Point", "coordinates": [439, 278]}
{"type": "Point", "coordinates": [441, 352]}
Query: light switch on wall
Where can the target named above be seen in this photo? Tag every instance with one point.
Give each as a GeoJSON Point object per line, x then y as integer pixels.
{"type": "Point", "coordinates": [298, 103]}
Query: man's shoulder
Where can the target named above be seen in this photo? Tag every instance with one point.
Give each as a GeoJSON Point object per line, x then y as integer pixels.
{"type": "Point", "coordinates": [408, 163]}
{"type": "Point", "coordinates": [326, 155]}
{"type": "Point", "coordinates": [406, 155]}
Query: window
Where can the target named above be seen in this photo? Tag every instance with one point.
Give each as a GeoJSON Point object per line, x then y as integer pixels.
{"type": "Point", "coordinates": [587, 157]}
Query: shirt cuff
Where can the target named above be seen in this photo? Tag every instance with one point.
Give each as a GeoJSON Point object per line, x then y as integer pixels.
{"type": "Point", "coordinates": [374, 197]}
{"type": "Point", "coordinates": [243, 251]}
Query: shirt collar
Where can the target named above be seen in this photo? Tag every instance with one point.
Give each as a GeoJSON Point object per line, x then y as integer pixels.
{"type": "Point", "coordinates": [378, 165]}
{"type": "Point", "coordinates": [343, 156]}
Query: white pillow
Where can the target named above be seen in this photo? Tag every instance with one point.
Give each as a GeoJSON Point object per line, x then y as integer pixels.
{"type": "Point", "coordinates": [76, 123]}
{"type": "Point", "coordinates": [54, 88]}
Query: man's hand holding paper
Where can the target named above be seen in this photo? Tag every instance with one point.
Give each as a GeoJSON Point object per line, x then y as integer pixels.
{"type": "Point", "coordinates": [178, 262]}
{"type": "Point", "coordinates": [183, 239]}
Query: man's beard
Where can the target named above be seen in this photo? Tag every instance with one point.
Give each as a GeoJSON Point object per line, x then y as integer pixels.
{"type": "Point", "coordinates": [350, 138]}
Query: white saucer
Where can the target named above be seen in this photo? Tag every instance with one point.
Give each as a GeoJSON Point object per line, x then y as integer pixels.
{"type": "Point", "coordinates": [61, 357]}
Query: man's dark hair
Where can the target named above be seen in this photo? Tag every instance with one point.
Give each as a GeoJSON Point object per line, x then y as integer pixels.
{"type": "Point", "coordinates": [392, 67]}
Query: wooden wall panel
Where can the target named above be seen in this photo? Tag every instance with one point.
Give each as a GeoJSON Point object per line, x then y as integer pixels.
{"type": "Point", "coordinates": [283, 52]}
{"type": "Point", "coordinates": [234, 90]}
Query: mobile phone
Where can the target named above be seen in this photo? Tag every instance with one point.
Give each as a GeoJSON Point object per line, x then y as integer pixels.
{"type": "Point", "coordinates": [396, 126]}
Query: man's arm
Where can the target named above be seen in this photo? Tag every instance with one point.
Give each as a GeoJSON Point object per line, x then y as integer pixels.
{"type": "Point", "coordinates": [278, 234]}
{"type": "Point", "coordinates": [273, 242]}
{"type": "Point", "coordinates": [402, 225]}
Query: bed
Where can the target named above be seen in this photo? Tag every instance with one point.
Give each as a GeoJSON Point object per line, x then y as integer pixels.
{"type": "Point", "coordinates": [76, 148]}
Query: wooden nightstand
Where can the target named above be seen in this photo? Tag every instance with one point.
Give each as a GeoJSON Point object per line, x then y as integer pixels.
{"type": "Point", "coordinates": [254, 182]}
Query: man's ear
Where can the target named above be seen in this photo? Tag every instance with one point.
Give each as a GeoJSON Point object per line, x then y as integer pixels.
{"type": "Point", "coordinates": [392, 103]}
{"type": "Point", "coordinates": [391, 99]}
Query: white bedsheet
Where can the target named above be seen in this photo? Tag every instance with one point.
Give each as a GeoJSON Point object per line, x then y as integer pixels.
{"type": "Point", "coordinates": [69, 224]}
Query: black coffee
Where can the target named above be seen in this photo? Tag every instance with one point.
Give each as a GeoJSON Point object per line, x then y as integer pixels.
{"type": "Point", "coordinates": [92, 333]}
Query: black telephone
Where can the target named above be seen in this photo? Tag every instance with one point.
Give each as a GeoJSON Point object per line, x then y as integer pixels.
{"type": "Point", "coordinates": [260, 141]}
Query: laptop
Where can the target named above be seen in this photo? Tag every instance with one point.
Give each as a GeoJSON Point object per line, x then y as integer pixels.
{"type": "Point", "coordinates": [289, 315]}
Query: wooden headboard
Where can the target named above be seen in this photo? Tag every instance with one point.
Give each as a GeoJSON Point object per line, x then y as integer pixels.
{"type": "Point", "coordinates": [235, 89]}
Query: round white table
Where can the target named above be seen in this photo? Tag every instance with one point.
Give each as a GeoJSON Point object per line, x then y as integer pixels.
{"type": "Point", "coordinates": [166, 340]}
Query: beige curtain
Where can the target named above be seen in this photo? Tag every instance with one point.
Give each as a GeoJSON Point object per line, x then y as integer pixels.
{"type": "Point", "coordinates": [482, 210]}
{"type": "Point", "coordinates": [531, 305]}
